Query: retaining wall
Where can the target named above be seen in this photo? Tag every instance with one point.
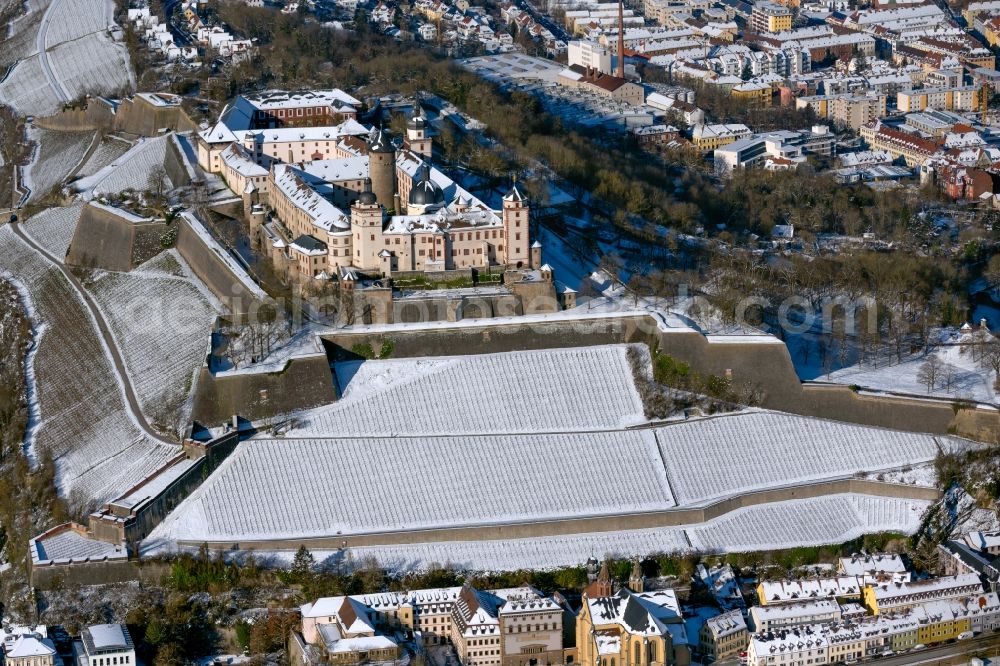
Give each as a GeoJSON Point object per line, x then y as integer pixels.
{"type": "Point", "coordinates": [57, 576]}
{"type": "Point", "coordinates": [303, 383]}
{"type": "Point", "coordinates": [609, 523]}
{"type": "Point", "coordinates": [108, 241]}
{"type": "Point", "coordinates": [213, 271]}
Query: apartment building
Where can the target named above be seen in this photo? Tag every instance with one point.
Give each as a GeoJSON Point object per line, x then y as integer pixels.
{"type": "Point", "coordinates": [847, 109]}
{"type": "Point", "coordinates": [875, 568]}
{"type": "Point", "coordinates": [104, 645]}
{"type": "Point", "coordinates": [724, 636]}
{"type": "Point", "coordinates": [960, 98]}
{"type": "Point", "coordinates": [711, 137]}
{"type": "Point", "coordinates": [776, 617]}
{"type": "Point", "coordinates": [912, 148]}
{"type": "Point", "coordinates": [770, 17]}
{"type": "Point", "coordinates": [897, 596]}
{"type": "Point", "coordinates": [809, 589]}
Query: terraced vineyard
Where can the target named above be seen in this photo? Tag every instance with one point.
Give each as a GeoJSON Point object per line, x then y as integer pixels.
{"type": "Point", "coordinates": [733, 454]}
{"type": "Point", "coordinates": [162, 326]}
{"type": "Point", "coordinates": [83, 424]}
{"type": "Point", "coordinates": [58, 153]}
{"type": "Point", "coordinates": [53, 228]}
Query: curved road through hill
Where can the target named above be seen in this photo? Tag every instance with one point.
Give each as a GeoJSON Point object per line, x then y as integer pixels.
{"type": "Point", "coordinates": [43, 55]}
{"type": "Point", "coordinates": [117, 362]}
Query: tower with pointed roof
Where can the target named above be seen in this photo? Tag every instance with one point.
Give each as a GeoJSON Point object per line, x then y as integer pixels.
{"type": "Point", "coordinates": [366, 231]}
{"type": "Point", "coordinates": [516, 214]}
{"type": "Point", "coordinates": [418, 137]}
{"type": "Point", "coordinates": [382, 166]}
{"type": "Point", "coordinates": [601, 586]}
{"type": "Point", "coordinates": [636, 581]}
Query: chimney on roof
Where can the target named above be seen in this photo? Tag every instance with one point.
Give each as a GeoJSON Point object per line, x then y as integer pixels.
{"type": "Point", "coordinates": [621, 39]}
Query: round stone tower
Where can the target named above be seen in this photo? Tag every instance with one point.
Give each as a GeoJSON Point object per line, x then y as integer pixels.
{"type": "Point", "coordinates": [382, 167]}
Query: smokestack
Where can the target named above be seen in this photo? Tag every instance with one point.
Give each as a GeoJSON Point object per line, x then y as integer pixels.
{"type": "Point", "coordinates": [621, 39]}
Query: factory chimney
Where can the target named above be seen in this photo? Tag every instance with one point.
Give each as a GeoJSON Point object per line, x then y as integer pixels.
{"type": "Point", "coordinates": [621, 39]}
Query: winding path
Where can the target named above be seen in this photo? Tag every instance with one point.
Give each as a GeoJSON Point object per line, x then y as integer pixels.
{"type": "Point", "coordinates": [43, 55]}
{"type": "Point", "coordinates": [117, 362]}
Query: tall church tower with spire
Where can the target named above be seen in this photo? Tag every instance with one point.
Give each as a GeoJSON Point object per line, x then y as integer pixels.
{"type": "Point", "coordinates": [636, 581]}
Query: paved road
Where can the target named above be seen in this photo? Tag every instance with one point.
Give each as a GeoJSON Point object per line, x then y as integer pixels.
{"type": "Point", "coordinates": [118, 364]}
{"type": "Point", "coordinates": [954, 654]}
{"type": "Point", "coordinates": [43, 55]}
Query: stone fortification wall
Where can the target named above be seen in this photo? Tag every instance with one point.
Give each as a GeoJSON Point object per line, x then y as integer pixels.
{"type": "Point", "coordinates": [646, 520]}
{"type": "Point", "coordinates": [301, 384]}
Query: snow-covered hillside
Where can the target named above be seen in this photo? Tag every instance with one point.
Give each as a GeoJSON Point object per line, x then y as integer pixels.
{"type": "Point", "coordinates": [57, 155]}
{"type": "Point", "coordinates": [53, 228]}
{"type": "Point", "coordinates": [162, 326]}
{"type": "Point", "coordinates": [97, 447]}
{"type": "Point", "coordinates": [551, 390]}
{"type": "Point", "coordinates": [68, 53]}
{"type": "Point", "coordinates": [133, 170]}
{"type": "Point", "coordinates": [824, 520]}
{"type": "Point", "coordinates": [726, 455]}
{"type": "Point", "coordinates": [312, 487]}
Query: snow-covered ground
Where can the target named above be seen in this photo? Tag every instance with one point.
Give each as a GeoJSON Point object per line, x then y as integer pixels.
{"type": "Point", "coordinates": [109, 151]}
{"type": "Point", "coordinates": [822, 520]}
{"type": "Point", "coordinates": [968, 380]}
{"type": "Point", "coordinates": [84, 425]}
{"type": "Point", "coordinates": [57, 155]}
{"type": "Point", "coordinates": [162, 325]}
{"type": "Point", "coordinates": [312, 487]}
{"type": "Point", "coordinates": [728, 455]}
{"type": "Point", "coordinates": [550, 390]}
{"type": "Point", "coordinates": [133, 170]}
{"type": "Point", "coordinates": [818, 521]}
{"type": "Point", "coordinates": [53, 228]}
{"type": "Point", "coordinates": [71, 54]}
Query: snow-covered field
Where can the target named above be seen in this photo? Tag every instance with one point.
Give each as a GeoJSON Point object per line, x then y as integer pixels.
{"type": "Point", "coordinates": [56, 156]}
{"type": "Point", "coordinates": [69, 53]}
{"type": "Point", "coordinates": [53, 228]}
{"type": "Point", "coordinates": [811, 522]}
{"type": "Point", "coordinates": [133, 170]}
{"type": "Point", "coordinates": [731, 454]}
{"type": "Point", "coordinates": [312, 487]}
{"type": "Point", "coordinates": [162, 326]}
{"type": "Point", "coordinates": [967, 380]}
{"type": "Point", "coordinates": [551, 390]}
{"type": "Point", "coordinates": [822, 520]}
{"type": "Point", "coordinates": [109, 150]}
{"type": "Point", "coordinates": [97, 447]}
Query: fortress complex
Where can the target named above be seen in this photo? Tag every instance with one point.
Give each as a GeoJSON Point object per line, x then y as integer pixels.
{"type": "Point", "coordinates": [334, 199]}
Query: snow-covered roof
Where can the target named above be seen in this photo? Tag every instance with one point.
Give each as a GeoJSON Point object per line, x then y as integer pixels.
{"type": "Point", "coordinates": [292, 134]}
{"type": "Point", "coordinates": [784, 613]}
{"type": "Point", "coordinates": [645, 614]}
{"type": "Point", "coordinates": [103, 637]}
{"type": "Point", "coordinates": [896, 593]}
{"type": "Point", "coordinates": [236, 158]}
{"type": "Point", "coordinates": [726, 624]}
{"type": "Point", "coordinates": [217, 133]}
{"type": "Point", "coordinates": [778, 591]}
{"type": "Point", "coordinates": [283, 99]}
{"type": "Point", "coordinates": [982, 540]}
{"type": "Point", "coordinates": [28, 645]}
{"type": "Point", "coordinates": [865, 563]}
{"type": "Point", "coordinates": [332, 171]}
{"type": "Point", "coordinates": [362, 644]}
{"type": "Point", "coordinates": [301, 189]}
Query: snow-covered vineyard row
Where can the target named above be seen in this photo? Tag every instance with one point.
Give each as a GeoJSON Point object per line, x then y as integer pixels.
{"type": "Point", "coordinates": [162, 327]}
{"type": "Point", "coordinates": [817, 521]}
{"type": "Point", "coordinates": [57, 154]}
{"type": "Point", "coordinates": [727, 455]}
{"type": "Point", "coordinates": [296, 488]}
{"type": "Point", "coordinates": [83, 423]}
{"type": "Point", "coordinates": [109, 151]}
{"type": "Point", "coordinates": [92, 65]}
{"type": "Point", "coordinates": [811, 522]}
{"type": "Point", "coordinates": [53, 228]}
{"type": "Point", "coordinates": [133, 170]}
{"type": "Point", "coordinates": [553, 390]}
{"type": "Point", "coordinates": [82, 57]}
{"type": "Point", "coordinates": [27, 91]}
{"type": "Point", "coordinates": [72, 19]}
